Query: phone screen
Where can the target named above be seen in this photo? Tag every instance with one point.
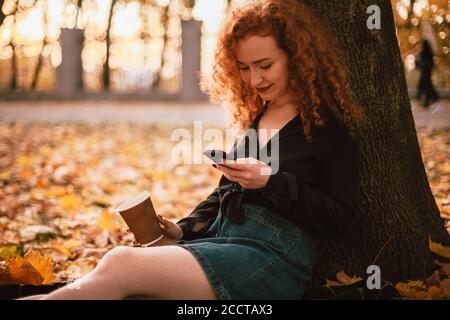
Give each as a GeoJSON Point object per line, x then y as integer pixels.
{"type": "Point", "coordinates": [216, 155]}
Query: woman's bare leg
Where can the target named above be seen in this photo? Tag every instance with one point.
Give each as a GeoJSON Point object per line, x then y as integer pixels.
{"type": "Point", "coordinates": [164, 272]}
{"type": "Point", "coordinates": [35, 297]}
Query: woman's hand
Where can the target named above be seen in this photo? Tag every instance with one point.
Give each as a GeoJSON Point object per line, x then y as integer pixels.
{"type": "Point", "coordinates": [249, 172]}
{"type": "Point", "coordinates": [171, 230]}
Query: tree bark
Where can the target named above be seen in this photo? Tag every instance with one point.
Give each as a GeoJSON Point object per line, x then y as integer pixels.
{"type": "Point", "coordinates": [14, 67]}
{"type": "Point", "coordinates": [2, 16]}
{"type": "Point", "coordinates": [399, 210]}
{"type": "Point", "coordinates": [165, 23]}
{"type": "Point", "coordinates": [106, 73]}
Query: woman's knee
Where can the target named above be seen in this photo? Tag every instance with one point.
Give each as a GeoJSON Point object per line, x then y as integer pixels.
{"type": "Point", "coordinates": [114, 260]}
{"type": "Point", "coordinates": [112, 268]}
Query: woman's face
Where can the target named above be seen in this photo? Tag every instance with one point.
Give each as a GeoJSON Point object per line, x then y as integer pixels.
{"type": "Point", "coordinates": [263, 66]}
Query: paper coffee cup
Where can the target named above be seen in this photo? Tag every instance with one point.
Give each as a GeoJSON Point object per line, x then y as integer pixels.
{"type": "Point", "coordinates": [140, 216]}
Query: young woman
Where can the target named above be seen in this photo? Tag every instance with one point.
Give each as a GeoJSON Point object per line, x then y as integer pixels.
{"type": "Point", "coordinates": [253, 237]}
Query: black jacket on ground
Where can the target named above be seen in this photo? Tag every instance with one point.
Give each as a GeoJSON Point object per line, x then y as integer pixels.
{"type": "Point", "coordinates": [316, 187]}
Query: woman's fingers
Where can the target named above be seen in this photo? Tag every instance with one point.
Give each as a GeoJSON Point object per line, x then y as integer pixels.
{"type": "Point", "coordinates": [231, 174]}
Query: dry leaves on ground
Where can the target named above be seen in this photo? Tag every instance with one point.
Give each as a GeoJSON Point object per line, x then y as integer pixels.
{"type": "Point", "coordinates": [59, 183]}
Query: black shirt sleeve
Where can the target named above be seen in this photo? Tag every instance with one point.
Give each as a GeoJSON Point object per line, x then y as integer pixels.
{"type": "Point", "coordinates": [328, 206]}
{"type": "Point", "coordinates": [201, 218]}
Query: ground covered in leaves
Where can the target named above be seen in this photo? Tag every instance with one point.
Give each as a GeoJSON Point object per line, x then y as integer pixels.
{"type": "Point", "coordinates": [60, 183]}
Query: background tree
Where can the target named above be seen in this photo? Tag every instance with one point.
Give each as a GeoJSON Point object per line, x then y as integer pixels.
{"type": "Point", "coordinates": [399, 211]}
{"type": "Point", "coordinates": [106, 73]}
{"type": "Point", "coordinates": [2, 15]}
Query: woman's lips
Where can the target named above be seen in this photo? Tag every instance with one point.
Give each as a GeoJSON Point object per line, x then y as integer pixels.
{"type": "Point", "coordinates": [263, 90]}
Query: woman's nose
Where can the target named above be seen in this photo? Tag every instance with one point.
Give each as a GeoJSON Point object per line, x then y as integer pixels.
{"type": "Point", "coordinates": [255, 79]}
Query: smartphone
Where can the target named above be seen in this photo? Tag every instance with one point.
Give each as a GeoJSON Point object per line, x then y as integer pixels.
{"type": "Point", "coordinates": [217, 155]}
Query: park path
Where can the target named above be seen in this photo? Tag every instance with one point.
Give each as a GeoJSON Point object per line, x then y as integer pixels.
{"type": "Point", "coordinates": [435, 117]}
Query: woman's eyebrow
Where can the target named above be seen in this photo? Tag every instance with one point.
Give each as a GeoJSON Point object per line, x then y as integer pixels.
{"type": "Point", "coordinates": [254, 62]}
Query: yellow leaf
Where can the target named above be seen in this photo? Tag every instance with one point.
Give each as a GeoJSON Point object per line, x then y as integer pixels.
{"type": "Point", "coordinates": [432, 293]}
{"type": "Point", "coordinates": [64, 251]}
{"type": "Point", "coordinates": [405, 290]}
{"type": "Point", "coordinates": [45, 151]}
{"type": "Point", "coordinates": [345, 279]}
{"type": "Point", "coordinates": [184, 183]}
{"type": "Point", "coordinates": [31, 269]}
{"type": "Point", "coordinates": [418, 284]}
{"type": "Point", "coordinates": [108, 221]}
{"type": "Point", "coordinates": [439, 249]}
{"type": "Point", "coordinates": [332, 283]}
{"type": "Point", "coordinates": [24, 160]}
{"type": "Point", "coordinates": [445, 168]}
{"type": "Point", "coordinates": [26, 173]}
{"type": "Point", "coordinates": [56, 192]}
{"type": "Point", "coordinates": [42, 183]}
{"type": "Point", "coordinates": [70, 201]}
{"type": "Point", "coordinates": [44, 265]}
{"type": "Point", "coordinates": [8, 252]}
{"type": "Point", "coordinates": [72, 243]}
{"type": "Point", "coordinates": [22, 272]}
{"type": "Point", "coordinates": [5, 175]}
{"type": "Point", "coordinates": [436, 293]}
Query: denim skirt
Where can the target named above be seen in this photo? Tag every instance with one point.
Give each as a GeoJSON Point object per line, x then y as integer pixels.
{"type": "Point", "coordinates": [265, 257]}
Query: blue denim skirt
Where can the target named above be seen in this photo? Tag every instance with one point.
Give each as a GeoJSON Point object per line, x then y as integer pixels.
{"type": "Point", "coordinates": [265, 257]}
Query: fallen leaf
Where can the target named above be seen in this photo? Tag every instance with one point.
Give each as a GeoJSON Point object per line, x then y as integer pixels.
{"type": "Point", "coordinates": [70, 201]}
{"type": "Point", "coordinates": [7, 252]}
{"type": "Point", "coordinates": [108, 221]}
{"type": "Point", "coordinates": [44, 265]}
{"type": "Point", "coordinates": [405, 290]}
{"type": "Point", "coordinates": [345, 279]}
{"type": "Point", "coordinates": [436, 292]}
{"type": "Point", "coordinates": [418, 284]}
{"type": "Point", "coordinates": [56, 191]}
{"type": "Point", "coordinates": [439, 249]}
{"type": "Point", "coordinates": [32, 269]}
{"type": "Point", "coordinates": [434, 279]}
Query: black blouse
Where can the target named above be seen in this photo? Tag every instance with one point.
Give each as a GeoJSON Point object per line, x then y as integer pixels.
{"type": "Point", "coordinates": [316, 186]}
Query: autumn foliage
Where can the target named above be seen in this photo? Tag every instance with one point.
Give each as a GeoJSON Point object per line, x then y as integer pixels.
{"type": "Point", "coordinates": [60, 183]}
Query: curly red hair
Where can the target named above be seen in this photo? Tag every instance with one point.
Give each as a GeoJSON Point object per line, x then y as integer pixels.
{"type": "Point", "coordinates": [317, 78]}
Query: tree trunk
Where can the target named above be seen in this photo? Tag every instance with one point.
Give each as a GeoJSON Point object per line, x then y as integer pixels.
{"type": "Point", "coordinates": [165, 23]}
{"type": "Point", "coordinates": [106, 73]}
{"type": "Point", "coordinates": [2, 16]}
{"type": "Point", "coordinates": [14, 67]}
{"type": "Point", "coordinates": [399, 211]}
{"type": "Point", "coordinates": [38, 68]}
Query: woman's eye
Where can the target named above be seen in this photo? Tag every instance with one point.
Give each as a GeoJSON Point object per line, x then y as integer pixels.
{"type": "Point", "coordinates": [265, 67]}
